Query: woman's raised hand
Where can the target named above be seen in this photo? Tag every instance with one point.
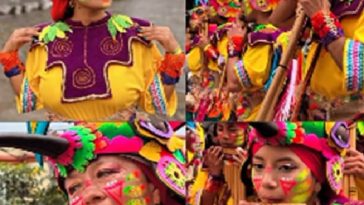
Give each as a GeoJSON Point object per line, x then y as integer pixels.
{"type": "Point", "coordinates": [20, 37]}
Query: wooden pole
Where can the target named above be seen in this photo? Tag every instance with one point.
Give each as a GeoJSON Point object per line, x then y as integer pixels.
{"type": "Point", "coordinates": [266, 112]}
{"type": "Point", "coordinates": [352, 191]}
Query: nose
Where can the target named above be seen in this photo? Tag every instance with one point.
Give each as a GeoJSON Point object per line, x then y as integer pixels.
{"type": "Point", "coordinates": [93, 195]}
{"type": "Point", "coordinates": [268, 180]}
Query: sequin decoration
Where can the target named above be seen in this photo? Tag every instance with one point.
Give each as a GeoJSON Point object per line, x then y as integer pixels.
{"type": "Point", "coordinates": [334, 173]}
{"type": "Point", "coordinates": [173, 174]}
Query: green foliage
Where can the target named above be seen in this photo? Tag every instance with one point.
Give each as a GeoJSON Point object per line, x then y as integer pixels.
{"type": "Point", "coordinates": [23, 184]}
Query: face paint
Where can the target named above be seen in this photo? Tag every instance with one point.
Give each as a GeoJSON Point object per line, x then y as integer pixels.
{"type": "Point", "coordinates": [114, 190]}
{"type": "Point", "coordinates": [137, 202]}
{"type": "Point", "coordinates": [299, 188]}
{"type": "Point", "coordinates": [76, 201]}
{"type": "Point", "coordinates": [135, 175]}
{"type": "Point", "coordinates": [257, 180]}
{"type": "Point", "coordinates": [134, 191]}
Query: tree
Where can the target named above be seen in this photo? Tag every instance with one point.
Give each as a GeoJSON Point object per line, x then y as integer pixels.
{"type": "Point", "coordinates": [28, 184]}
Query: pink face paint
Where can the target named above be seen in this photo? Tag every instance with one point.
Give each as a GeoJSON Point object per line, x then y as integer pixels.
{"type": "Point", "coordinates": [78, 200]}
{"type": "Point", "coordinates": [114, 190]}
{"type": "Point", "coordinates": [257, 180]}
{"type": "Point", "coordinates": [287, 184]}
{"type": "Point", "coordinates": [300, 188]}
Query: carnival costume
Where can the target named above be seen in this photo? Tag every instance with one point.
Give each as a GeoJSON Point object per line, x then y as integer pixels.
{"type": "Point", "coordinates": [204, 182]}
{"type": "Point", "coordinates": [346, 19]}
{"type": "Point", "coordinates": [95, 72]}
{"type": "Point", "coordinates": [157, 152]}
{"type": "Point", "coordinates": [321, 146]}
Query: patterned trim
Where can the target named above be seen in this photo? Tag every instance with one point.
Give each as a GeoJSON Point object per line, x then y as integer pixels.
{"type": "Point", "coordinates": [157, 95]}
{"type": "Point", "coordinates": [242, 74]}
{"type": "Point", "coordinates": [353, 65]}
{"type": "Point", "coordinates": [28, 98]}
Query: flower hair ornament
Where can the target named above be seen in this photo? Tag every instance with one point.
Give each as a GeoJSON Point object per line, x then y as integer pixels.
{"type": "Point", "coordinates": [330, 139]}
{"type": "Point", "coordinates": [77, 147]}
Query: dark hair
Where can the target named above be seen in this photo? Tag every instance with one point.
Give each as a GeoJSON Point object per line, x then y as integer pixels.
{"type": "Point", "coordinates": [68, 13]}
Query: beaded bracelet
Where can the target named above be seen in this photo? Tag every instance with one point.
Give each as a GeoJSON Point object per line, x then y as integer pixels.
{"type": "Point", "coordinates": [327, 26]}
{"type": "Point", "coordinates": [242, 74]}
{"type": "Point", "coordinates": [12, 64]}
{"type": "Point", "coordinates": [235, 46]}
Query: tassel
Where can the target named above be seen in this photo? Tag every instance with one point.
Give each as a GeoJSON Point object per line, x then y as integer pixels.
{"type": "Point", "coordinates": [287, 103]}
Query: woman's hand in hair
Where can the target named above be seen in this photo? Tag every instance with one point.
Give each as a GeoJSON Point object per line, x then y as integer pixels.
{"type": "Point", "coordinates": [162, 34]}
{"type": "Point", "coordinates": [20, 37]}
{"type": "Point", "coordinates": [354, 163]}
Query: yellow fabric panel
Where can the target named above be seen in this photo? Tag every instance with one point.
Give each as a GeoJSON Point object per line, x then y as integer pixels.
{"type": "Point", "coordinates": [196, 190]}
{"type": "Point", "coordinates": [194, 60]}
{"type": "Point", "coordinates": [257, 63]}
{"type": "Point", "coordinates": [128, 85]}
{"type": "Point", "coordinates": [328, 79]}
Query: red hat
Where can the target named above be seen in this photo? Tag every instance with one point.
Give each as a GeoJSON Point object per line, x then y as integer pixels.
{"type": "Point", "coordinates": [59, 9]}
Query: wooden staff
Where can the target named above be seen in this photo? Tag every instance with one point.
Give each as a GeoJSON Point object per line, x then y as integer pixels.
{"type": "Point", "coordinates": [349, 181]}
{"type": "Point", "coordinates": [232, 178]}
{"type": "Point", "coordinates": [266, 112]}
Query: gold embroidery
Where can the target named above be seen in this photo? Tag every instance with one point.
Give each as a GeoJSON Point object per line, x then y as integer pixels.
{"type": "Point", "coordinates": [61, 48]}
{"type": "Point", "coordinates": [83, 78]}
{"type": "Point", "coordinates": [111, 47]}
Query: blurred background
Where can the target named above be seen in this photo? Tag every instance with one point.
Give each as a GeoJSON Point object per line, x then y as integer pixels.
{"type": "Point", "coordinates": [21, 13]}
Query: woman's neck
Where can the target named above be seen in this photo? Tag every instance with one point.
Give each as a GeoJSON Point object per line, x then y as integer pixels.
{"type": "Point", "coordinates": [87, 16]}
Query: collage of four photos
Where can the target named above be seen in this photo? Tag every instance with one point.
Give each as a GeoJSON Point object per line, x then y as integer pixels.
{"type": "Point", "coordinates": [182, 102]}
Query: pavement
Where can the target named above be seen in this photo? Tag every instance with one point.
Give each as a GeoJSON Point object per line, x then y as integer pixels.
{"type": "Point", "coordinates": [160, 12]}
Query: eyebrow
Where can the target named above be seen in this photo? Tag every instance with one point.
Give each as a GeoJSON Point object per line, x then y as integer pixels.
{"type": "Point", "coordinates": [283, 159]}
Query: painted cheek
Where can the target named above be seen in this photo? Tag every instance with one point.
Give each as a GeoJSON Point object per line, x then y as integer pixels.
{"type": "Point", "coordinates": [299, 188]}
{"type": "Point", "coordinates": [78, 200]}
{"type": "Point", "coordinates": [114, 190]}
{"type": "Point", "coordinates": [287, 185]}
{"type": "Point", "coordinates": [257, 180]}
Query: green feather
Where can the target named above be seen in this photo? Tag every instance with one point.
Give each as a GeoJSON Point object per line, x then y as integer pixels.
{"type": "Point", "coordinates": [86, 152]}
{"type": "Point", "coordinates": [52, 33]}
{"type": "Point", "coordinates": [63, 26]}
{"type": "Point", "coordinates": [111, 130]}
{"type": "Point", "coordinates": [62, 170]}
{"type": "Point", "coordinates": [112, 28]}
{"type": "Point", "coordinates": [123, 21]}
{"type": "Point", "coordinates": [317, 128]}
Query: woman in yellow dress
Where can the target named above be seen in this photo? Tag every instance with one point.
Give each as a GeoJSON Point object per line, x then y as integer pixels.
{"type": "Point", "coordinates": [92, 65]}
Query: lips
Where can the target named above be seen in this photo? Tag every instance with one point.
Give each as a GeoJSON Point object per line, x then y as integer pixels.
{"type": "Point", "coordinates": [271, 200]}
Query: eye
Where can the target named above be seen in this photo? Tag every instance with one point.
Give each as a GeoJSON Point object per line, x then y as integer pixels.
{"type": "Point", "coordinates": [73, 188]}
{"type": "Point", "coordinates": [287, 168]}
{"type": "Point", "coordinates": [258, 166]}
{"type": "Point", "coordinates": [106, 172]}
